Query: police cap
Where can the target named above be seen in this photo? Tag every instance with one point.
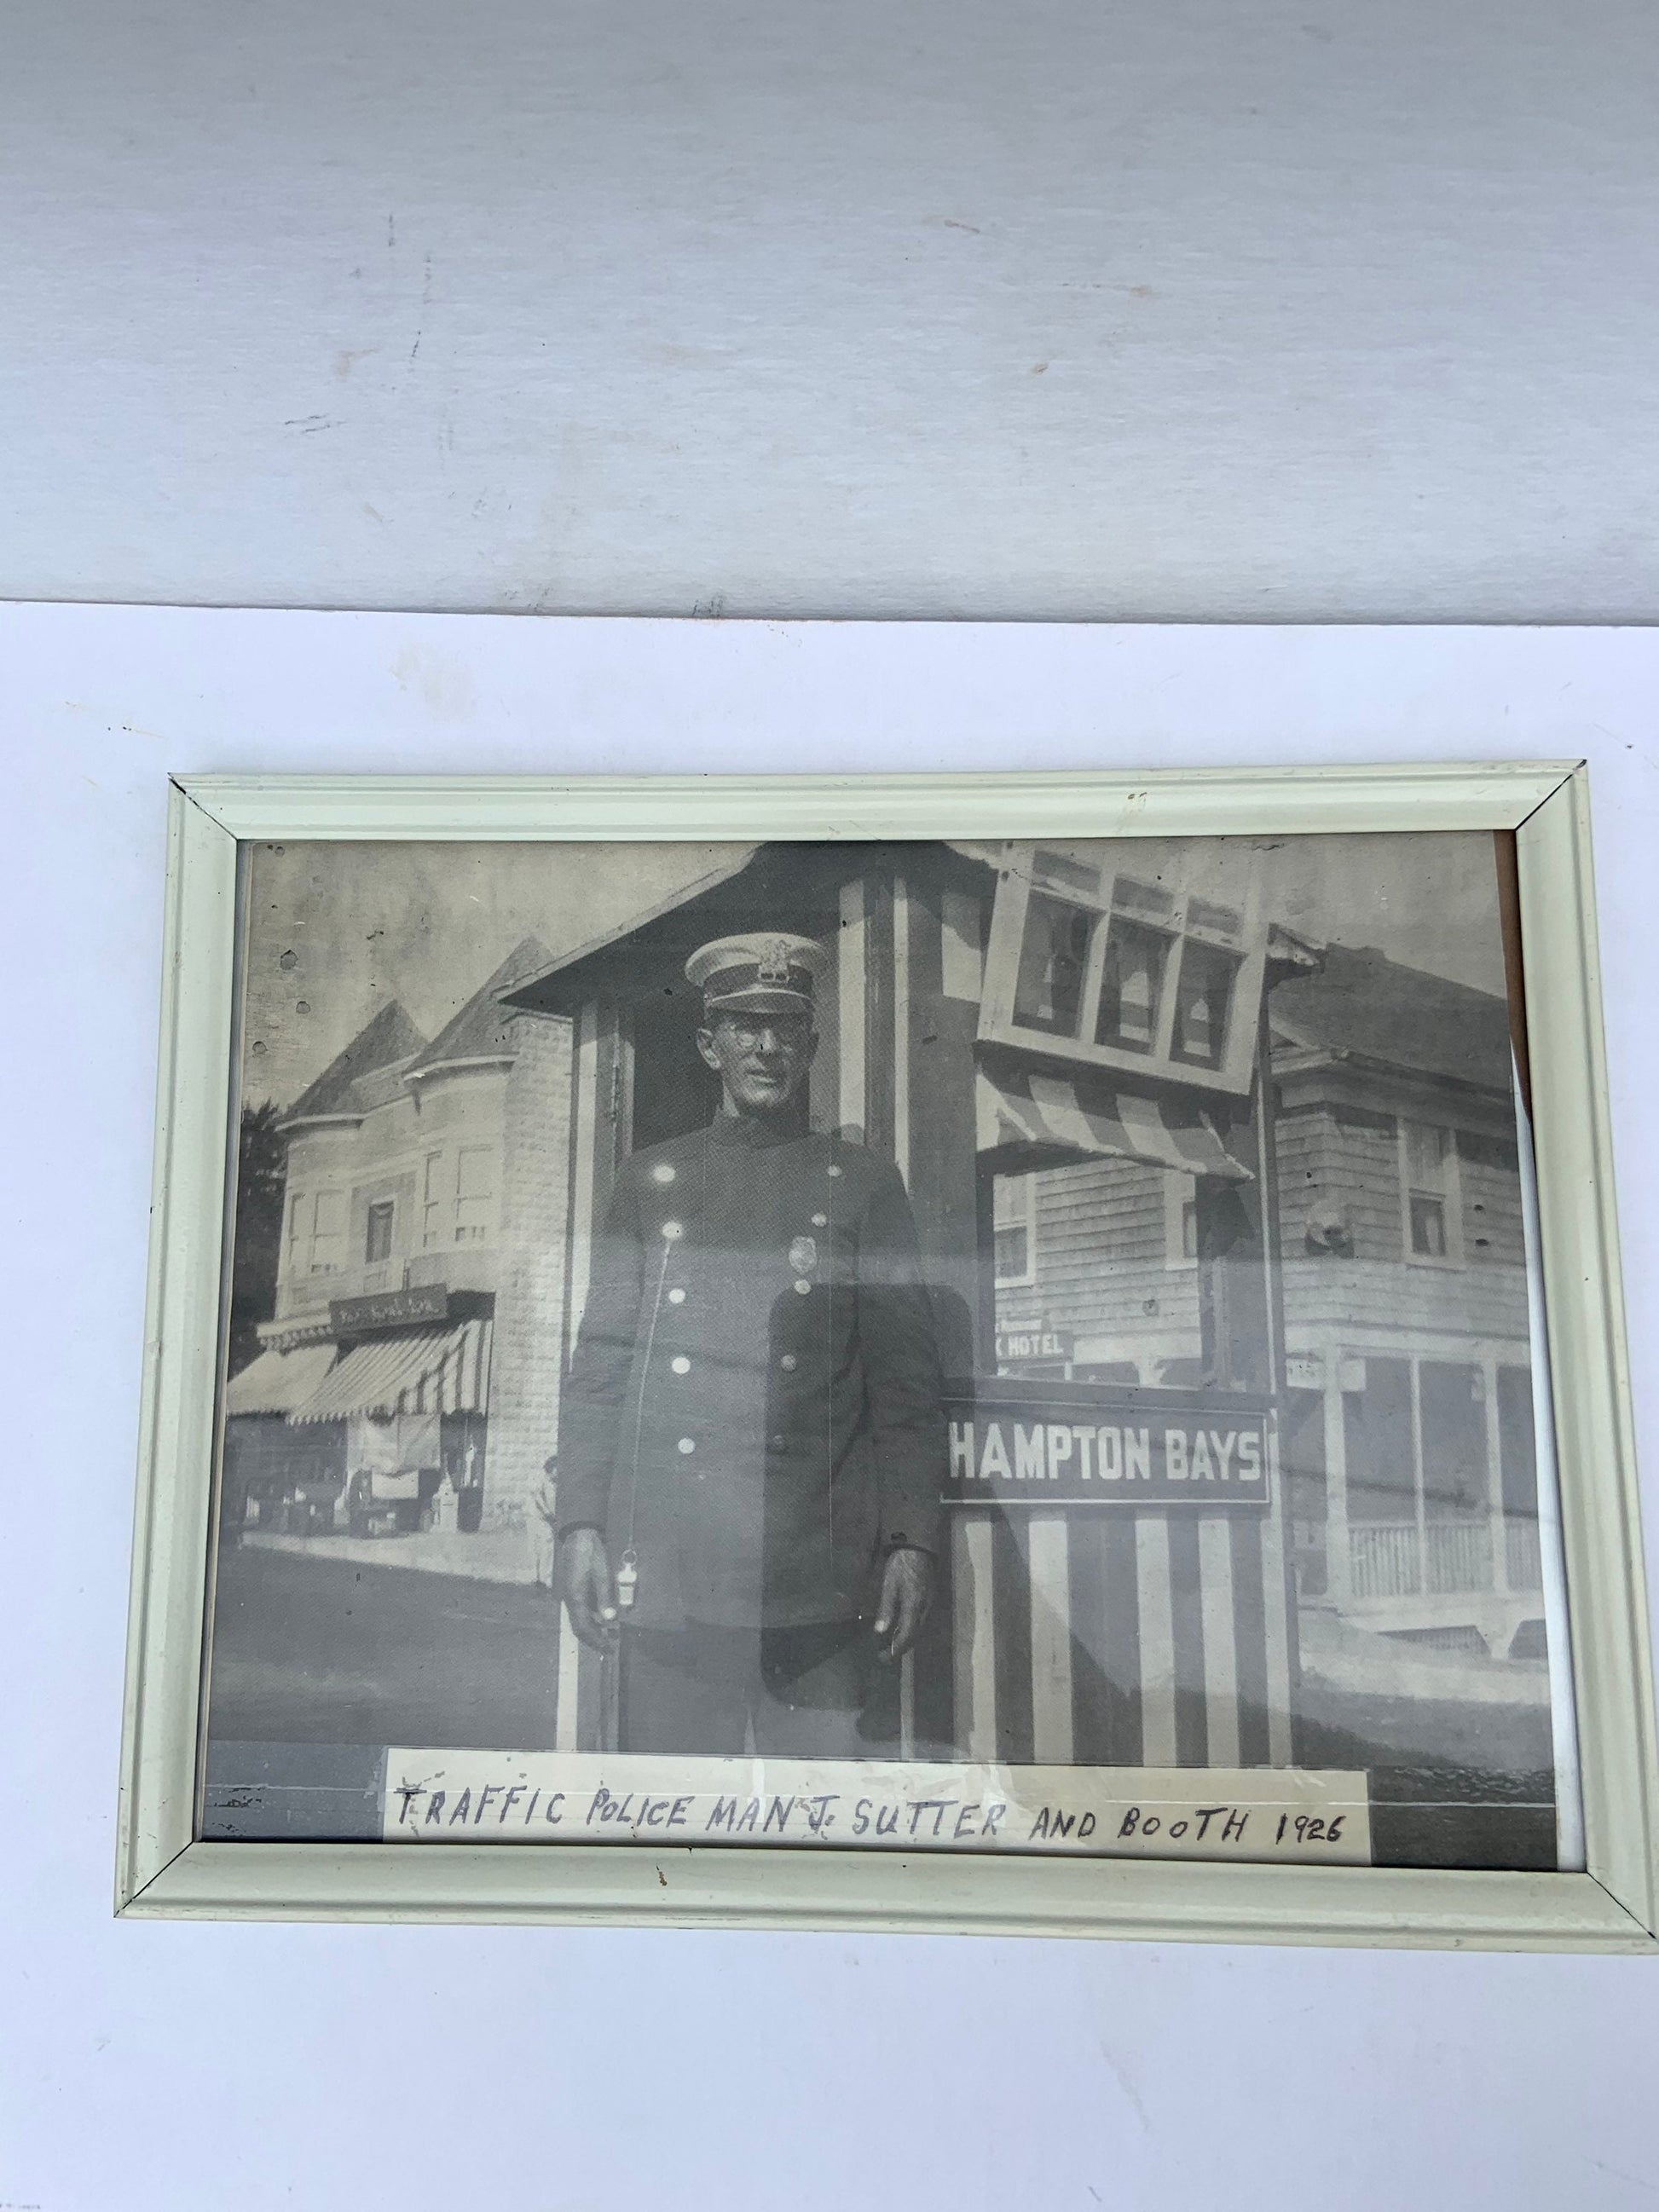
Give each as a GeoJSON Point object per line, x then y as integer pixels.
{"type": "Point", "coordinates": [767, 973]}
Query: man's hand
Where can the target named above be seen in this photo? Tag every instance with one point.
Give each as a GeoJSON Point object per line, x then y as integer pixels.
{"type": "Point", "coordinates": [585, 1586]}
{"type": "Point", "coordinates": [907, 1592]}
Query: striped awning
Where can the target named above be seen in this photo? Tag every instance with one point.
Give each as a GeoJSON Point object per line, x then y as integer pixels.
{"type": "Point", "coordinates": [429, 1370]}
{"type": "Point", "coordinates": [277, 1382]}
{"type": "Point", "coordinates": [1028, 1111]}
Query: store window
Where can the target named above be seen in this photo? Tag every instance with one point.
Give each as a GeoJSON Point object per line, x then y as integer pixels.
{"type": "Point", "coordinates": [1455, 1482]}
{"type": "Point", "coordinates": [1420, 1442]}
{"type": "Point", "coordinates": [1380, 1443]}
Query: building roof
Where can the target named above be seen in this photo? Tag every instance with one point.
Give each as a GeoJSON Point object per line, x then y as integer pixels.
{"type": "Point", "coordinates": [1362, 1005]}
{"type": "Point", "coordinates": [387, 1041]}
{"type": "Point", "coordinates": [785, 885]}
{"type": "Point", "coordinates": [479, 1032]}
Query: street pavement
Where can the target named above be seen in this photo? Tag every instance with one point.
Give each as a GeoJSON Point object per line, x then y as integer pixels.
{"type": "Point", "coordinates": [322, 1650]}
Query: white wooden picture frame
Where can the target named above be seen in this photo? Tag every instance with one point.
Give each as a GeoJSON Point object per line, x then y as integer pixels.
{"type": "Point", "coordinates": [166, 1871]}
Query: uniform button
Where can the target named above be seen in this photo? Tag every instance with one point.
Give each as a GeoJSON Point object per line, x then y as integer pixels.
{"type": "Point", "coordinates": [802, 1284]}
{"type": "Point", "coordinates": [788, 1363]}
{"type": "Point", "coordinates": [681, 1365]}
{"type": "Point", "coordinates": [834, 1171]}
{"type": "Point", "coordinates": [676, 1296]}
{"type": "Point", "coordinates": [672, 1233]}
{"type": "Point", "coordinates": [662, 1172]}
{"type": "Point", "coordinates": [820, 1221]}
{"type": "Point", "coordinates": [688, 1445]}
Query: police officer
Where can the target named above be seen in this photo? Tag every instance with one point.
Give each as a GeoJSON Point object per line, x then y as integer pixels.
{"type": "Point", "coordinates": [752, 1441]}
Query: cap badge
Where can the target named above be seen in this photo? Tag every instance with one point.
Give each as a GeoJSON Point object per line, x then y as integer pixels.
{"type": "Point", "coordinates": [804, 1255]}
{"type": "Point", "coordinates": [774, 962]}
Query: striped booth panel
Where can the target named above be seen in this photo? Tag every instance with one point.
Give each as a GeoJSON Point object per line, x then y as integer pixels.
{"type": "Point", "coordinates": [1126, 1639]}
{"type": "Point", "coordinates": [1080, 1625]}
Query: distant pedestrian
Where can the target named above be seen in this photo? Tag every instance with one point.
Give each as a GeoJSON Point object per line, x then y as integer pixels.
{"type": "Point", "coordinates": [543, 1520]}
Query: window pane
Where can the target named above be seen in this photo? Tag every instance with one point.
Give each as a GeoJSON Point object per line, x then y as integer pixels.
{"type": "Point", "coordinates": [1426, 1151]}
{"type": "Point", "coordinates": [1147, 899]}
{"type": "Point", "coordinates": [1220, 920]}
{"type": "Point", "coordinates": [328, 1248]}
{"type": "Point", "coordinates": [1203, 1005]}
{"type": "Point", "coordinates": [378, 1244]}
{"type": "Point", "coordinates": [1381, 1458]}
{"type": "Point", "coordinates": [1131, 986]}
{"type": "Point", "coordinates": [1013, 1252]}
{"type": "Point", "coordinates": [475, 1178]}
{"type": "Point", "coordinates": [1428, 1227]}
{"type": "Point", "coordinates": [475, 1200]}
{"type": "Point", "coordinates": [1454, 1441]}
{"type": "Point", "coordinates": [1048, 996]}
{"type": "Point", "coordinates": [1067, 873]}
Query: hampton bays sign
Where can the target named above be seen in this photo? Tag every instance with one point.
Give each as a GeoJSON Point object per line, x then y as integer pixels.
{"type": "Point", "coordinates": [1126, 1450]}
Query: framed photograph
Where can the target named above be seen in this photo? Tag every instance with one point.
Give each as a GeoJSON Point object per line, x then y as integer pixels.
{"type": "Point", "coordinates": [1000, 1353]}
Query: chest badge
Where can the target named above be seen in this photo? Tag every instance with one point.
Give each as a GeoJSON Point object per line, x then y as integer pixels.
{"type": "Point", "coordinates": [804, 1255]}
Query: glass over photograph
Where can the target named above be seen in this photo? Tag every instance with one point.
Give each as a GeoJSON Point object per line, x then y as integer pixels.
{"type": "Point", "coordinates": [942, 1346]}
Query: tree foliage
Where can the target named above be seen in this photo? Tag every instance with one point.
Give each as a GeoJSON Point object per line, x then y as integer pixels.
{"type": "Point", "coordinates": [261, 1180]}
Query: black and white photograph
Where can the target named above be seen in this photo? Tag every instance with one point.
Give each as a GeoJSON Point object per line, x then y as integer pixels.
{"type": "Point", "coordinates": [928, 1344]}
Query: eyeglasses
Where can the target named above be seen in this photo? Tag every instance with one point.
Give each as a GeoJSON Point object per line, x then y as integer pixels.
{"type": "Point", "coordinates": [787, 1033]}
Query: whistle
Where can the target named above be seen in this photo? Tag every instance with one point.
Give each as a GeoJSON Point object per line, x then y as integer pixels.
{"type": "Point", "coordinates": [627, 1575]}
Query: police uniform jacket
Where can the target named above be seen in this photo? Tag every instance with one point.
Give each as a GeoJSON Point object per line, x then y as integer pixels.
{"type": "Point", "coordinates": [754, 1407]}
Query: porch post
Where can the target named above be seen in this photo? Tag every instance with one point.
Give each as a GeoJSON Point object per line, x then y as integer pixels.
{"type": "Point", "coordinates": [1338, 1546]}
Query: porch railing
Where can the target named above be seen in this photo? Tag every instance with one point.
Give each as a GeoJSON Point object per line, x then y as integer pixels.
{"type": "Point", "coordinates": [1391, 1561]}
{"type": "Point", "coordinates": [1387, 1562]}
{"type": "Point", "coordinates": [1387, 1558]}
{"type": "Point", "coordinates": [1521, 1555]}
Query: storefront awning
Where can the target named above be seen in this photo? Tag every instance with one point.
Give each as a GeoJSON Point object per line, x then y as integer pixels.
{"type": "Point", "coordinates": [430, 1370]}
{"type": "Point", "coordinates": [1029, 1111]}
{"type": "Point", "coordinates": [277, 1382]}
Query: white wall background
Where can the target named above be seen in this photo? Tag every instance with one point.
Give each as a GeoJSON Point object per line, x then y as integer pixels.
{"type": "Point", "coordinates": [170, 2068]}
{"type": "Point", "coordinates": [1199, 308]}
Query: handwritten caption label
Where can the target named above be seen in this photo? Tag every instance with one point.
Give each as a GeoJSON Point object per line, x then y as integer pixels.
{"type": "Point", "coordinates": [1255, 1814]}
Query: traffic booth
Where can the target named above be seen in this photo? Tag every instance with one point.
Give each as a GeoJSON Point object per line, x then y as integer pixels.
{"type": "Point", "coordinates": [1066, 1028]}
